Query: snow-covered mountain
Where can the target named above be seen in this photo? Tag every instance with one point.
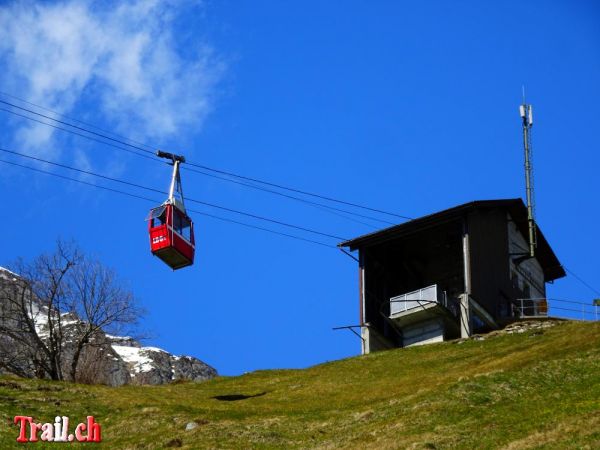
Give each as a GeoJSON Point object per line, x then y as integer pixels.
{"type": "Point", "coordinates": [116, 360]}
{"type": "Point", "coordinates": [153, 365]}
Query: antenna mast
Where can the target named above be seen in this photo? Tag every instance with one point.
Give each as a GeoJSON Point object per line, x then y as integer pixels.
{"type": "Point", "coordinates": [527, 117]}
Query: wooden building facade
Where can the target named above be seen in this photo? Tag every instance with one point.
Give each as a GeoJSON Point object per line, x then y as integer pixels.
{"type": "Point", "coordinates": [462, 270]}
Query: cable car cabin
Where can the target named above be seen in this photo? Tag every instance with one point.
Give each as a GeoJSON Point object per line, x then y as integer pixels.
{"type": "Point", "coordinates": [171, 235]}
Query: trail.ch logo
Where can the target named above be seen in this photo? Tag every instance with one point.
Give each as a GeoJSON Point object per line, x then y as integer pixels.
{"type": "Point", "coordinates": [57, 431]}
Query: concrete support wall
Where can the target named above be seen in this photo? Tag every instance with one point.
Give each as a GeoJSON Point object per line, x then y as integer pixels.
{"type": "Point", "coordinates": [373, 341]}
{"type": "Point", "coordinates": [427, 332]}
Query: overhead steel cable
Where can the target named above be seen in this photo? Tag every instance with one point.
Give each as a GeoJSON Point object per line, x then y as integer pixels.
{"type": "Point", "coordinates": [263, 229]}
{"type": "Point", "coordinates": [77, 127]}
{"type": "Point", "coordinates": [12, 163]}
{"type": "Point", "coordinates": [191, 170]}
{"type": "Point", "coordinates": [201, 166]}
{"type": "Point", "coordinates": [310, 202]}
{"type": "Point", "coordinates": [83, 135]}
{"type": "Point", "coordinates": [596, 291]}
{"type": "Point", "coordinates": [56, 113]}
{"type": "Point", "coordinates": [298, 191]}
{"type": "Point", "coordinates": [117, 191]}
{"type": "Point", "coordinates": [316, 204]}
{"type": "Point", "coordinates": [129, 183]}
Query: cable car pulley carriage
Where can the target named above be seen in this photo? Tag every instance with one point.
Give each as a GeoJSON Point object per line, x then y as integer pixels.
{"type": "Point", "coordinates": [171, 229]}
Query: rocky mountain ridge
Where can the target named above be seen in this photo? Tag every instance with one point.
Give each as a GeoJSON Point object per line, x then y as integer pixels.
{"type": "Point", "coordinates": [153, 365]}
{"type": "Point", "coordinates": [116, 360]}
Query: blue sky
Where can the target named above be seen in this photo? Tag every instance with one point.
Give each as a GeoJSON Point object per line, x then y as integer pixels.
{"type": "Point", "coordinates": [410, 107]}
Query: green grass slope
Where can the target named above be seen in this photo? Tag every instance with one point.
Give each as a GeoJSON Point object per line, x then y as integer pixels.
{"type": "Point", "coordinates": [539, 389]}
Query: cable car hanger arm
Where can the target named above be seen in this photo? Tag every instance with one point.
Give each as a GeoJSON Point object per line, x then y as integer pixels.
{"type": "Point", "coordinates": [173, 157]}
{"type": "Point", "coordinates": [176, 178]}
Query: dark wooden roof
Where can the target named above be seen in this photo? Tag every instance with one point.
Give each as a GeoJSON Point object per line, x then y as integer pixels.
{"type": "Point", "coordinates": [515, 206]}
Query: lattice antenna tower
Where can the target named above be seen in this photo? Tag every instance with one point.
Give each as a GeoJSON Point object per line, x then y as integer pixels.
{"type": "Point", "coordinates": [527, 119]}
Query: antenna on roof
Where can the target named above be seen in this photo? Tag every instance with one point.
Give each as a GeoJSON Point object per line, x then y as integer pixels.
{"type": "Point", "coordinates": [527, 118]}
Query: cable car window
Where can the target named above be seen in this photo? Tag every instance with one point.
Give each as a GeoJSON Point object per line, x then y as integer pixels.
{"type": "Point", "coordinates": [182, 225]}
{"type": "Point", "coordinates": [158, 216]}
{"type": "Point", "coordinates": [162, 219]}
{"type": "Point", "coordinates": [186, 230]}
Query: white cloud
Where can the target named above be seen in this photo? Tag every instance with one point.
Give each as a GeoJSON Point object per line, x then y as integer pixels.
{"type": "Point", "coordinates": [123, 57]}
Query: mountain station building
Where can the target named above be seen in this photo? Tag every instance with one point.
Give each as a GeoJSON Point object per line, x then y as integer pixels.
{"type": "Point", "coordinates": [447, 275]}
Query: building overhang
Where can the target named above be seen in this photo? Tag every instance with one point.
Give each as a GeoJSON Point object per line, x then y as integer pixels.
{"type": "Point", "coordinates": [515, 207]}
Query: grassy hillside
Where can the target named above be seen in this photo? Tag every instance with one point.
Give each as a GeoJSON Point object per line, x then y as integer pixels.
{"type": "Point", "coordinates": [539, 389]}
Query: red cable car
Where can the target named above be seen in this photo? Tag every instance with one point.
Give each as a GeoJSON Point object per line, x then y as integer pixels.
{"type": "Point", "coordinates": [171, 229]}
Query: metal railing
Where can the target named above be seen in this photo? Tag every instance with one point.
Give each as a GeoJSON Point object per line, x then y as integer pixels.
{"type": "Point", "coordinates": [422, 298]}
{"type": "Point", "coordinates": [545, 307]}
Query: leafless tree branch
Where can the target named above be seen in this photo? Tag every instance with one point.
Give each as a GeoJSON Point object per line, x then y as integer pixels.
{"type": "Point", "coordinates": [57, 309]}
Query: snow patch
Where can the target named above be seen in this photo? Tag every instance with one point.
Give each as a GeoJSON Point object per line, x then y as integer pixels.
{"type": "Point", "coordinates": [40, 320]}
{"type": "Point", "coordinates": [154, 349]}
{"type": "Point", "coordinates": [117, 338]}
{"type": "Point", "coordinates": [135, 357]}
{"type": "Point", "coordinates": [4, 269]}
{"type": "Point", "coordinates": [66, 319]}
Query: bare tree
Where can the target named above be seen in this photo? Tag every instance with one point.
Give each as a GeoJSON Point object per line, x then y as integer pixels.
{"type": "Point", "coordinates": [55, 308]}
{"type": "Point", "coordinates": [102, 303]}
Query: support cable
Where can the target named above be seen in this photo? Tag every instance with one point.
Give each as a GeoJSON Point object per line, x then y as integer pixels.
{"type": "Point", "coordinates": [81, 135]}
{"type": "Point", "coordinates": [200, 166]}
{"type": "Point", "coordinates": [77, 127]}
{"type": "Point", "coordinates": [213, 205]}
{"type": "Point", "coordinates": [596, 291]}
{"type": "Point", "coordinates": [56, 113]}
{"type": "Point", "coordinates": [117, 191]}
{"type": "Point", "coordinates": [320, 206]}
{"type": "Point", "coordinates": [317, 204]}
